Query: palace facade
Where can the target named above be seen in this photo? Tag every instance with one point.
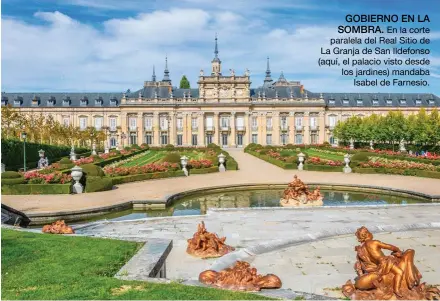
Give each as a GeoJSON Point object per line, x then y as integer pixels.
{"type": "Point", "coordinates": [224, 110]}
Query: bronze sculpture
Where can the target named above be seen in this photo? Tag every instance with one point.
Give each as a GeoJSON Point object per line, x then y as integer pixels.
{"type": "Point", "coordinates": [207, 245]}
{"type": "Point", "coordinates": [298, 194]}
{"type": "Point", "coordinates": [240, 277]}
{"type": "Point", "coordinates": [58, 227]}
{"type": "Point", "coordinates": [386, 277]}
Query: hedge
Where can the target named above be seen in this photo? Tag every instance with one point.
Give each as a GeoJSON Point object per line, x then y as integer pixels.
{"type": "Point", "coordinates": [37, 189]}
{"type": "Point", "coordinates": [13, 181]}
{"type": "Point", "coordinates": [317, 167]}
{"type": "Point", "coordinates": [203, 170]}
{"type": "Point", "coordinates": [12, 153]}
{"type": "Point", "coordinates": [403, 172]}
{"type": "Point", "coordinates": [273, 161]}
{"type": "Point", "coordinates": [146, 176]}
{"type": "Point", "coordinates": [118, 158]}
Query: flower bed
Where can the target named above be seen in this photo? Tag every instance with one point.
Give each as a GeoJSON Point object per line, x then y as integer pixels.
{"type": "Point", "coordinates": [148, 168]}
{"type": "Point", "coordinates": [326, 151]}
{"type": "Point", "coordinates": [43, 177]}
{"type": "Point", "coordinates": [320, 161]}
{"type": "Point", "coordinates": [202, 163]}
{"type": "Point", "coordinates": [378, 162]}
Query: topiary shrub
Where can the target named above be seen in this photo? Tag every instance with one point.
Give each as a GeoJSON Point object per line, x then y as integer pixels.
{"type": "Point", "coordinates": [291, 159]}
{"type": "Point", "coordinates": [13, 181]}
{"type": "Point", "coordinates": [169, 146]}
{"type": "Point", "coordinates": [145, 146]}
{"type": "Point", "coordinates": [127, 148]}
{"type": "Point", "coordinates": [264, 151]}
{"type": "Point", "coordinates": [95, 184]}
{"type": "Point", "coordinates": [115, 151]}
{"type": "Point", "coordinates": [359, 157]}
{"type": "Point", "coordinates": [10, 175]}
{"type": "Point", "coordinates": [326, 143]}
{"type": "Point", "coordinates": [135, 146]}
{"type": "Point", "coordinates": [65, 161]}
{"type": "Point", "coordinates": [213, 145]}
{"type": "Point", "coordinates": [91, 170]}
{"type": "Point", "coordinates": [171, 158]}
{"type": "Point", "coordinates": [290, 146]}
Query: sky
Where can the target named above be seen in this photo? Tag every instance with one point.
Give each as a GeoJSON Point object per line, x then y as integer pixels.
{"type": "Point", "coordinates": [112, 45]}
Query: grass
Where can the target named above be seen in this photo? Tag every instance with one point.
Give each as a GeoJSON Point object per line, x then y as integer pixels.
{"type": "Point", "coordinates": [152, 156]}
{"type": "Point", "coordinates": [334, 157]}
{"type": "Point", "coordinates": [50, 267]}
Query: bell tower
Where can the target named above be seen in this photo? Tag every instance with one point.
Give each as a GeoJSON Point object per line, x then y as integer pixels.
{"type": "Point", "coordinates": [216, 63]}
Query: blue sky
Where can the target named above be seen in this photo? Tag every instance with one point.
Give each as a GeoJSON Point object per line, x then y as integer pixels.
{"type": "Point", "coordinates": [112, 45]}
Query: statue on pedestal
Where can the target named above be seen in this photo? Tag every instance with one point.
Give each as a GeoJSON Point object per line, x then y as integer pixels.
{"type": "Point", "coordinates": [298, 194]}
{"type": "Point", "coordinates": [207, 245]}
{"type": "Point", "coordinates": [240, 277]}
{"type": "Point", "coordinates": [58, 227]}
{"type": "Point", "coordinates": [386, 277]}
{"type": "Point", "coordinates": [43, 162]}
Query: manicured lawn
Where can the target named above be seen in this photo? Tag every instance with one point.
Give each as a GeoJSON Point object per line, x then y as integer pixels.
{"type": "Point", "coordinates": [334, 157]}
{"type": "Point", "coordinates": [44, 266]}
{"type": "Point", "coordinates": [149, 157]}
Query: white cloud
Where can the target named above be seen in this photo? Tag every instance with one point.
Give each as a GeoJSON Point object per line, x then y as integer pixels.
{"type": "Point", "coordinates": [66, 55]}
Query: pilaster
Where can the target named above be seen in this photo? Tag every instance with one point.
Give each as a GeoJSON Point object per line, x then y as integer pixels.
{"type": "Point", "coordinates": [233, 136]}
{"type": "Point", "coordinates": [291, 123]}
{"type": "Point", "coordinates": [140, 128]}
{"type": "Point", "coordinates": [306, 127]}
{"type": "Point", "coordinates": [156, 130]}
{"type": "Point", "coordinates": [262, 128]}
{"type": "Point", "coordinates": [322, 130]}
{"type": "Point", "coordinates": [216, 137]}
{"type": "Point", "coordinates": [201, 129]}
{"type": "Point", "coordinates": [276, 128]}
{"type": "Point", "coordinates": [172, 127]}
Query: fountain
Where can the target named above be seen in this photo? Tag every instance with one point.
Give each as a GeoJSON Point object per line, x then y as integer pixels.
{"type": "Point", "coordinates": [240, 277]}
{"type": "Point", "coordinates": [207, 245]}
{"type": "Point", "coordinates": [386, 277]}
{"type": "Point", "coordinates": [298, 194]}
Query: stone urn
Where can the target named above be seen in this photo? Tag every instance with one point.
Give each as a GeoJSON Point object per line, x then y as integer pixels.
{"type": "Point", "coordinates": [301, 157]}
{"type": "Point", "coordinates": [221, 160]}
{"type": "Point", "coordinates": [184, 162]}
{"type": "Point", "coordinates": [347, 168]}
{"type": "Point", "coordinates": [94, 149]}
{"type": "Point", "coordinates": [77, 174]}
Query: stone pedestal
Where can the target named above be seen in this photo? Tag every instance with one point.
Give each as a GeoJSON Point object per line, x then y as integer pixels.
{"type": "Point", "coordinates": [94, 149]}
{"type": "Point", "coordinates": [76, 176]}
{"type": "Point", "coordinates": [301, 161]}
{"type": "Point", "coordinates": [347, 168]}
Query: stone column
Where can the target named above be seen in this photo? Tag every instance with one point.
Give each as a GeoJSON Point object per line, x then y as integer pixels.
{"type": "Point", "coordinates": [185, 128]}
{"type": "Point", "coordinates": [233, 133]}
{"type": "Point", "coordinates": [201, 126]}
{"type": "Point", "coordinates": [321, 124]}
{"type": "Point", "coordinates": [276, 128]}
{"type": "Point", "coordinates": [124, 128]}
{"type": "Point", "coordinates": [156, 129]}
{"type": "Point", "coordinates": [306, 127]}
{"type": "Point", "coordinates": [291, 124]}
{"type": "Point", "coordinates": [172, 128]}
{"type": "Point", "coordinates": [216, 137]}
{"type": "Point", "coordinates": [262, 128]}
{"type": "Point", "coordinates": [140, 129]}
{"type": "Point", "coordinates": [247, 134]}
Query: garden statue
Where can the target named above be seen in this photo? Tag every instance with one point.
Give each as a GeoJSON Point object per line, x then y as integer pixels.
{"type": "Point", "coordinates": [43, 162]}
{"type": "Point", "coordinates": [207, 245]}
{"type": "Point", "coordinates": [386, 277]}
{"type": "Point", "coordinates": [402, 148]}
{"type": "Point", "coordinates": [72, 154]}
{"type": "Point", "coordinates": [351, 143]}
{"type": "Point", "coordinates": [201, 72]}
{"type": "Point", "coordinates": [240, 277]}
{"type": "Point", "coordinates": [58, 227]}
{"type": "Point", "coordinates": [3, 168]}
{"type": "Point", "coordinates": [297, 194]}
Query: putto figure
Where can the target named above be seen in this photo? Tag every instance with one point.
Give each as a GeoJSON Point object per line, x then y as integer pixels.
{"type": "Point", "coordinates": [58, 227]}
{"type": "Point", "coordinates": [298, 194]}
{"type": "Point", "coordinates": [240, 277]}
{"type": "Point", "coordinates": [386, 277]}
{"type": "Point", "coordinates": [207, 245]}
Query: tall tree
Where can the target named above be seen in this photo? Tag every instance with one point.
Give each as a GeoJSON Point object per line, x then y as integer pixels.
{"type": "Point", "coordinates": [184, 83]}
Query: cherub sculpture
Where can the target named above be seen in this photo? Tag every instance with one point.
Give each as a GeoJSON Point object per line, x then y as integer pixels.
{"type": "Point", "coordinates": [297, 193]}
{"type": "Point", "coordinates": [205, 244]}
{"type": "Point", "coordinates": [385, 277]}
{"type": "Point", "coordinates": [240, 277]}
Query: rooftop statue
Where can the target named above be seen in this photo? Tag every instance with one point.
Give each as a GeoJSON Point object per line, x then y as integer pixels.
{"type": "Point", "coordinates": [240, 277]}
{"type": "Point", "coordinates": [207, 245]}
{"type": "Point", "coordinates": [298, 194]}
{"type": "Point", "coordinates": [58, 227]}
{"type": "Point", "coordinates": [386, 277]}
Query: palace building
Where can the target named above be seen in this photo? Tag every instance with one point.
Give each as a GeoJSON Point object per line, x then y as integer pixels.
{"type": "Point", "coordinates": [224, 110]}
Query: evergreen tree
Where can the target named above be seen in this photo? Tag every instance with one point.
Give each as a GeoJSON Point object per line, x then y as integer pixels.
{"type": "Point", "coordinates": [184, 83]}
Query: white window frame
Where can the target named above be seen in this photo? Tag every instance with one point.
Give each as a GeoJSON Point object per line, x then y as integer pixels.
{"type": "Point", "coordinates": [132, 121]}
{"type": "Point", "coordinates": [82, 123]}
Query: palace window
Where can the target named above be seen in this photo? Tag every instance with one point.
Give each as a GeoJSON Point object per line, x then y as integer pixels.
{"type": "Point", "coordinates": [132, 122]}
{"type": "Point", "coordinates": [332, 121]}
{"type": "Point", "coordinates": [148, 123]}
{"type": "Point", "coordinates": [164, 139]}
{"type": "Point", "coordinates": [298, 139]}
{"type": "Point", "coordinates": [133, 139]}
{"type": "Point", "coordinates": [284, 139]}
{"type": "Point", "coordinates": [99, 123]}
{"type": "Point", "coordinates": [194, 139]}
{"type": "Point", "coordinates": [224, 122]}
{"type": "Point", "coordinates": [208, 139]}
{"type": "Point", "coordinates": [113, 142]}
{"type": "Point", "coordinates": [180, 123]}
{"type": "Point", "coordinates": [240, 122]}
{"type": "Point", "coordinates": [269, 139]}
{"type": "Point", "coordinates": [163, 123]}
{"type": "Point", "coordinates": [149, 139]}
{"type": "Point", "coordinates": [113, 123]}
{"type": "Point", "coordinates": [66, 121]}
{"type": "Point", "coordinates": [269, 122]}
{"type": "Point", "coordinates": [313, 123]}
{"type": "Point", "coordinates": [255, 138]}
{"type": "Point", "coordinates": [254, 123]}
{"type": "Point", "coordinates": [298, 122]}
{"type": "Point", "coordinates": [194, 123]}
{"type": "Point", "coordinates": [83, 123]}
{"type": "Point", "coordinates": [314, 138]}
{"type": "Point", "coordinates": [179, 139]}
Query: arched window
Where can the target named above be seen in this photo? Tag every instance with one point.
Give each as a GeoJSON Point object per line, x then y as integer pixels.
{"type": "Point", "coordinates": [332, 140]}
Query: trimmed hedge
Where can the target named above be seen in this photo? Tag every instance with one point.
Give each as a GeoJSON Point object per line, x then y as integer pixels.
{"type": "Point", "coordinates": [203, 170]}
{"type": "Point", "coordinates": [316, 167]}
{"type": "Point", "coordinates": [273, 161]}
{"type": "Point", "coordinates": [37, 189]}
{"type": "Point", "coordinates": [92, 170]}
{"type": "Point", "coordinates": [10, 175]}
{"type": "Point", "coordinates": [13, 181]}
{"type": "Point", "coordinates": [147, 176]}
{"type": "Point", "coordinates": [12, 153]}
{"type": "Point", "coordinates": [95, 184]}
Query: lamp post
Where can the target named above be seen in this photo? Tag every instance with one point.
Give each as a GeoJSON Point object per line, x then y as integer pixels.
{"type": "Point", "coordinates": [24, 135]}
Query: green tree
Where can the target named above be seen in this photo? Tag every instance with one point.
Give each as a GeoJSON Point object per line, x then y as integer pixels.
{"type": "Point", "coordinates": [184, 83]}
{"type": "Point", "coordinates": [421, 128]}
{"type": "Point", "coordinates": [434, 127]}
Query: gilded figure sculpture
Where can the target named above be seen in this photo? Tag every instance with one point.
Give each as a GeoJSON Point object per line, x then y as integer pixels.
{"type": "Point", "coordinates": [204, 244]}
{"type": "Point", "coordinates": [240, 277]}
{"type": "Point", "coordinates": [298, 194]}
{"type": "Point", "coordinates": [386, 277]}
{"type": "Point", "coordinates": [58, 227]}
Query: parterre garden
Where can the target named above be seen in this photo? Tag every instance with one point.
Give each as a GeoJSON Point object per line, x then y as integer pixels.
{"type": "Point", "coordinates": [101, 172]}
{"type": "Point", "coordinates": [326, 158]}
